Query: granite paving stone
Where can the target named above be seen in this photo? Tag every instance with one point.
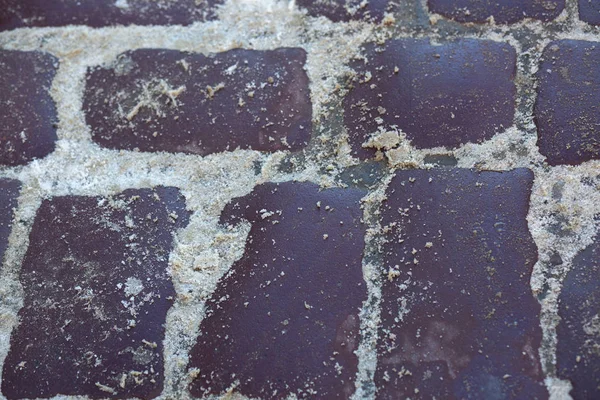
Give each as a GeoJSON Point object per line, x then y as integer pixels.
{"type": "Point", "coordinates": [567, 110]}
{"type": "Point", "coordinates": [458, 319]}
{"type": "Point", "coordinates": [27, 110]}
{"type": "Point", "coordinates": [589, 11]}
{"type": "Point", "coordinates": [578, 356]}
{"type": "Point", "coordinates": [284, 320]}
{"type": "Point", "coordinates": [501, 11]}
{"type": "Point", "coordinates": [9, 191]}
{"type": "Point", "coordinates": [99, 13]}
{"type": "Point", "coordinates": [97, 292]}
{"type": "Point", "coordinates": [341, 216]}
{"type": "Point", "coordinates": [346, 10]}
{"type": "Point", "coordinates": [164, 100]}
{"type": "Point", "coordinates": [431, 92]}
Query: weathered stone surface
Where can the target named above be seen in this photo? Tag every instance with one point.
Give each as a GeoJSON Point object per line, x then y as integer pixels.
{"type": "Point", "coordinates": [459, 320]}
{"type": "Point", "coordinates": [27, 111]}
{"type": "Point", "coordinates": [444, 95]}
{"type": "Point", "coordinates": [502, 11]}
{"type": "Point", "coordinates": [567, 111]}
{"type": "Point", "coordinates": [97, 13]}
{"type": "Point", "coordinates": [9, 191]}
{"type": "Point", "coordinates": [589, 11]}
{"type": "Point", "coordinates": [346, 10]}
{"type": "Point", "coordinates": [96, 296]}
{"type": "Point", "coordinates": [284, 320]}
{"type": "Point", "coordinates": [166, 100]}
{"type": "Point", "coordinates": [577, 352]}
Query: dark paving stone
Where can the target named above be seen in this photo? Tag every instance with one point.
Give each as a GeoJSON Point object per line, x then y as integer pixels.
{"type": "Point", "coordinates": [589, 11]}
{"type": "Point", "coordinates": [98, 13]}
{"type": "Point", "coordinates": [459, 251]}
{"type": "Point", "coordinates": [578, 348]}
{"type": "Point", "coordinates": [432, 92]}
{"type": "Point", "coordinates": [567, 111]}
{"type": "Point", "coordinates": [9, 191]}
{"type": "Point", "coordinates": [503, 11]}
{"type": "Point", "coordinates": [284, 320]}
{"type": "Point", "coordinates": [166, 100]}
{"type": "Point", "coordinates": [346, 10]}
{"type": "Point", "coordinates": [27, 111]}
{"type": "Point", "coordinates": [97, 292]}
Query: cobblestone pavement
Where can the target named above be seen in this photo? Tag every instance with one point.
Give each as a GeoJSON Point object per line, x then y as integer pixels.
{"type": "Point", "coordinates": [274, 199]}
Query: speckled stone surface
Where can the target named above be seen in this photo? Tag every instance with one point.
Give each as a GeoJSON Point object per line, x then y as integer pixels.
{"type": "Point", "coordinates": [274, 199]}
{"type": "Point", "coordinates": [285, 317]}
{"type": "Point", "coordinates": [458, 316]}
{"type": "Point", "coordinates": [96, 296]}
{"type": "Point", "coordinates": [98, 13]}
{"type": "Point", "coordinates": [431, 92]}
{"type": "Point", "coordinates": [567, 108]}
{"type": "Point", "coordinates": [577, 350]}
{"type": "Point", "coordinates": [589, 11]}
{"type": "Point", "coordinates": [27, 110]}
{"type": "Point", "coordinates": [162, 100]}
{"type": "Point", "coordinates": [342, 10]}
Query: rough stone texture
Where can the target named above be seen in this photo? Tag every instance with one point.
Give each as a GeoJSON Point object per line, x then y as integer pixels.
{"type": "Point", "coordinates": [164, 100]}
{"type": "Point", "coordinates": [578, 356]}
{"type": "Point", "coordinates": [27, 111]}
{"type": "Point", "coordinates": [502, 11]}
{"type": "Point", "coordinates": [96, 297]}
{"type": "Point", "coordinates": [589, 11]}
{"type": "Point", "coordinates": [284, 320]}
{"type": "Point", "coordinates": [431, 93]}
{"type": "Point", "coordinates": [346, 10]}
{"type": "Point", "coordinates": [564, 201]}
{"type": "Point", "coordinates": [567, 111]}
{"type": "Point", "coordinates": [98, 13]}
{"type": "Point", "coordinates": [9, 191]}
{"type": "Point", "coordinates": [458, 316]}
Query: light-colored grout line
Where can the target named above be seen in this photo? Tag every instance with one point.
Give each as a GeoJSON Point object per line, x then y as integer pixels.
{"type": "Point", "coordinates": [11, 291]}
{"type": "Point", "coordinates": [370, 312]}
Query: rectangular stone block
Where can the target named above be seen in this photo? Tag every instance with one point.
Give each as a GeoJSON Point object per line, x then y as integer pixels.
{"type": "Point", "coordinates": [98, 13]}
{"type": "Point", "coordinates": [589, 11]}
{"type": "Point", "coordinates": [166, 100]}
{"type": "Point", "coordinates": [567, 110]}
{"type": "Point", "coordinates": [501, 11]}
{"type": "Point", "coordinates": [578, 332]}
{"type": "Point", "coordinates": [438, 95]}
{"type": "Point", "coordinates": [284, 321]}
{"type": "Point", "coordinates": [27, 111]}
{"type": "Point", "coordinates": [9, 192]}
{"type": "Point", "coordinates": [458, 318]}
{"type": "Point", "coordinates": [346, 10]}
{"type": "Point", "coordinates": [97, 291]}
